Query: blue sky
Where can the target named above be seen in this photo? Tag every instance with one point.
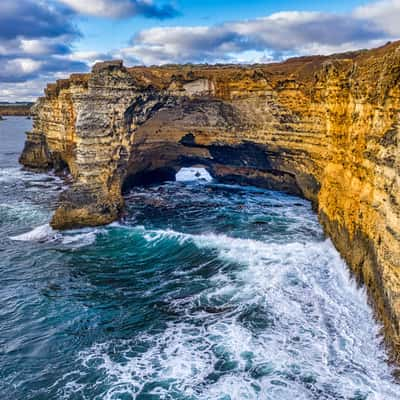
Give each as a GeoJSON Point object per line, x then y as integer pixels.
{"type": "Point", "coordinates": [116, 33]}
{"type": "Point", "coordinates": [43, 40]}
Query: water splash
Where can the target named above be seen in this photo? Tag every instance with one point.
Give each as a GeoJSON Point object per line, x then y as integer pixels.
{"type": "Point", "coordinates": [203, 291]}
{"type": "Point", "coordinates": [193, 175]}
{"type": "Point", "coordinates": [288, 322]}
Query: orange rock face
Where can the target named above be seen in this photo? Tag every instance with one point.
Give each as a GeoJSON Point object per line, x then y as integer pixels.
{"type": "Point", "coordinates": [326, 128]}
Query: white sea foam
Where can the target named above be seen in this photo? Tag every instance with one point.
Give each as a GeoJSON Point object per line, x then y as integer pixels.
{"type": "Point", "coordinates": [82, 239]}
{"type": "Point", "coordinates": [193, 174]}
{"type": "Point", "coordinates": [318, 339]}
{"type": "Point", "coordinates": [178, 359]}
{"type": "Point", "coordinates": [73, 239]}
{"type": "Point", "coordinates": [40, 233]}
{"type": "Point", "coordinates": [12, 174]}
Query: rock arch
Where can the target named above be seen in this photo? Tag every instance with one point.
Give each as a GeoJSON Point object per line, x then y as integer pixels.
{"type": "Point", "coordinates": [326, 128]}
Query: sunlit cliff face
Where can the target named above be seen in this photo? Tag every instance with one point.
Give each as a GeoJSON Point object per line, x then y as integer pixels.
{"type": "Point", "coordinates": [325, 128]}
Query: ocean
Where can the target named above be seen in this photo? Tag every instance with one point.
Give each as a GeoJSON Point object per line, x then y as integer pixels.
{"type": "Point", "coordinates": [202, 291]}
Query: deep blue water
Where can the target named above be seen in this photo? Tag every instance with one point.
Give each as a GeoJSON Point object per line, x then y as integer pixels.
{"type": "Point", "coordinates": [203, 291]}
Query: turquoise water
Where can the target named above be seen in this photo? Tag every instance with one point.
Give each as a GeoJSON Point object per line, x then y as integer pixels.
{"type": "Point", "coordinates": [203, 291]}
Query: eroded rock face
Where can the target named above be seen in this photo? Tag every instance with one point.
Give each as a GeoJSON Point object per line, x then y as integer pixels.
{"type": "Point", "coordinates": [326, 128]}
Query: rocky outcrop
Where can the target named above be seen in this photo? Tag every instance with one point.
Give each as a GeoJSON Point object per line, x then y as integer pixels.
{"type": "Point", "coordinates": [326, 128]}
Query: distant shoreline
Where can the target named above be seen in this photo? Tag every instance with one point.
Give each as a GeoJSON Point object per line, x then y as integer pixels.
{"type": "Point", "coordinates": [9, 110]}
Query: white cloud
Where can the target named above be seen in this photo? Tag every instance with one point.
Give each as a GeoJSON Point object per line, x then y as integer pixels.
{"type": "Point", "coordinates": [19, 67]}
{"type": "Point", "coordinates": [384, 14]}
{"type": "Point", "coordinates": [27, 91]}
{"type": "Point", "coordinates": [278, 35]}
{"type": "Point", "coordinates": [34, 46]}
{"type": "Point", "coordinates": [121, 8]}
{"type": "Point", "coordinates": [102, 8]}
{"type": "Point", "coordinates": [27, 65]}
{"type": "Point", "coordinates": [36, 38]}
{"type": "Point", "coordinates": [88, 57]}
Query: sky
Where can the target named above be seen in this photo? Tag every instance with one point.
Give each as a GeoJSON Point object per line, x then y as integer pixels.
{"type": "Point", "coordinates": [45, 40]}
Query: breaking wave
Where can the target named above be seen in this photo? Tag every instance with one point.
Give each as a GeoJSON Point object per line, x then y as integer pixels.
{"type": "Point", "coordinates": [202, 292]}
{"type": "Point", "coordinates": [286, 322]}
{"type": "Point", "coordinates": [46, 234]}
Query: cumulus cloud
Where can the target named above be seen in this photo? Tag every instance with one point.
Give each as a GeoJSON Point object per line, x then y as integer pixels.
{"type": "Point", "coordinates": [17, 91]}
{"type": "Point", "coordinates": [122, 8]}
{"type": "Point", "coordinates": [278, 35]}
{"type": "Point", "coordinates": [35, 37]}
{"type": "Point", "coordinates": [21, 69]}
{"type": "Point", "coordinates": [32, 19]}
{"type": "Point", "coordinates": [383, 14]}
{"type": "Point", "coordinates": [89, 57]}
{"type": "Point", "coordinates": [39, 47]}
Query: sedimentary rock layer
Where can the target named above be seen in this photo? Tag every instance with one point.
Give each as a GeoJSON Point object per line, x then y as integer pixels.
{"type": "Point", "coordinates": [326, 128]}
{"type": "Point", "coordinates": [23, 110]}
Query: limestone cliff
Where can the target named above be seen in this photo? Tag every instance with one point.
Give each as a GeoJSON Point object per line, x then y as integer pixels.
{"type": "Point", "coordinates": [326, 128]}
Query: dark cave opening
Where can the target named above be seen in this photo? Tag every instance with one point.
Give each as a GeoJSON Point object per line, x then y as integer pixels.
{"type": "Point", "coordinates": [148, 177]}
